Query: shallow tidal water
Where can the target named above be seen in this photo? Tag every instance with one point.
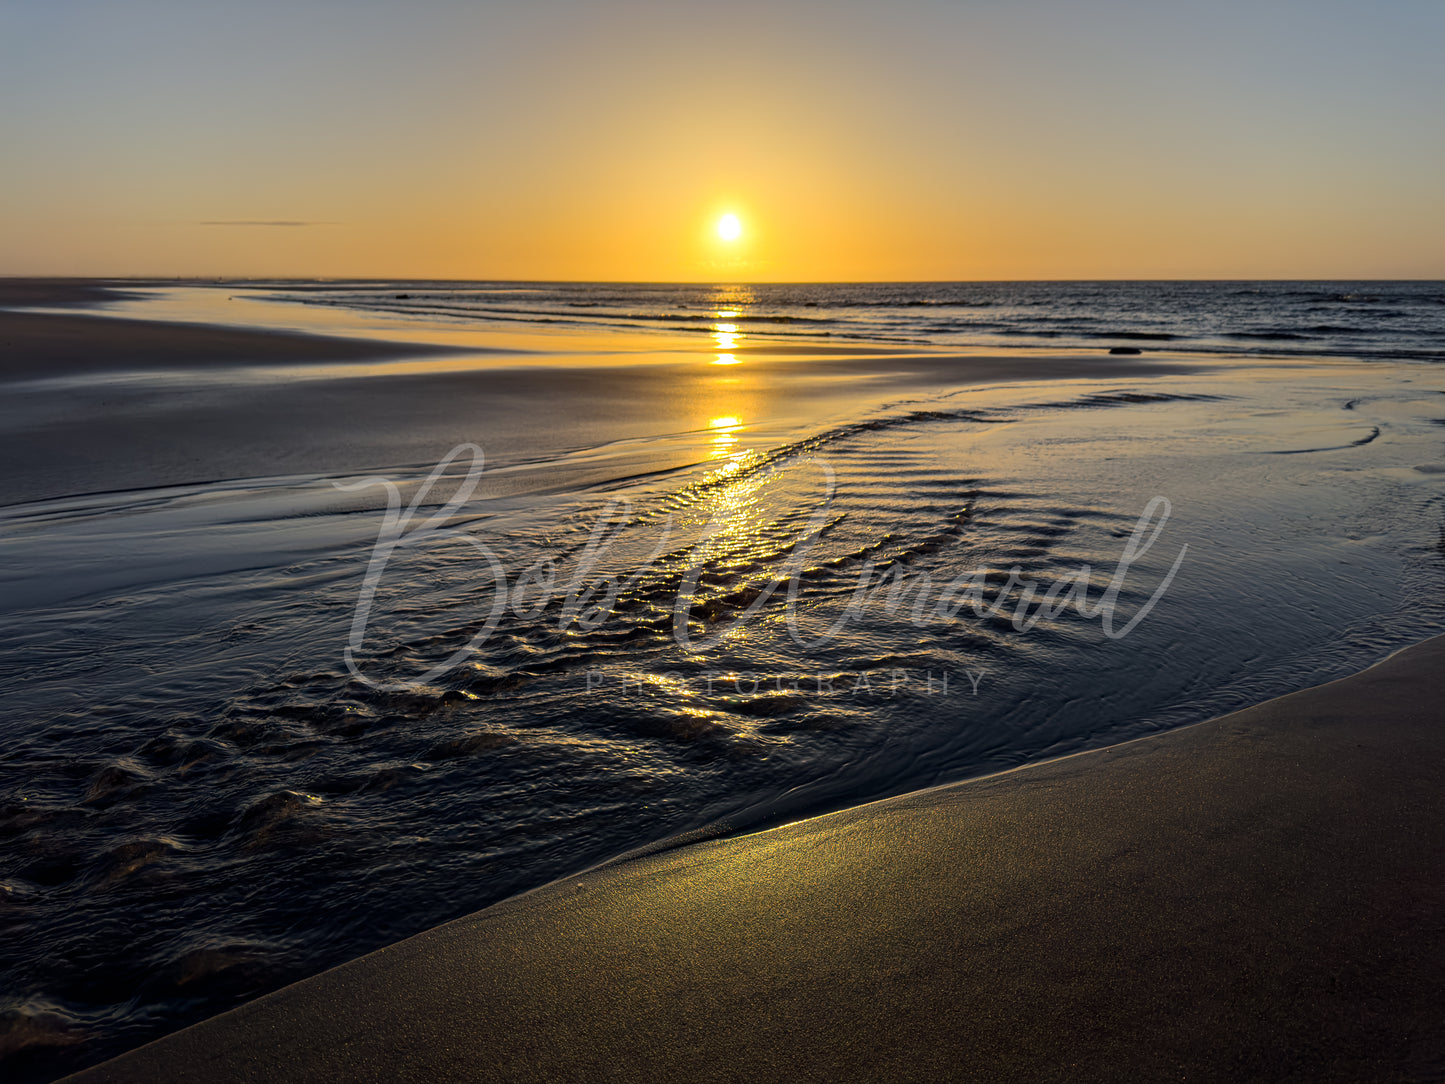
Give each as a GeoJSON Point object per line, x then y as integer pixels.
{"type": "Point", "coordinates": [257, 726]}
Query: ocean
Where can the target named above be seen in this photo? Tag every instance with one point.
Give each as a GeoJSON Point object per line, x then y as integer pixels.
{"type": "Point", "coordinates": [371, 646]}
{"type": "Point", "coordinates": [1385, 320]}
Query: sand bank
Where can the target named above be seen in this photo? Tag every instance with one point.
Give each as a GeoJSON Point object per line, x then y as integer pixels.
{"type": "Point", "coordinates": [1254, 898]}
{"type": "Point", "coordinates": [60, 291]}
{"type": "Point", "coordinates": [40, 345]}
{"type": "Point", "coordinates": [101, 404]}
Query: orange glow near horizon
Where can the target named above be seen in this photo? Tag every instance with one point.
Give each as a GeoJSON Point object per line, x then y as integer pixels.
{"type": "Point", "coordinates": [905, 145]}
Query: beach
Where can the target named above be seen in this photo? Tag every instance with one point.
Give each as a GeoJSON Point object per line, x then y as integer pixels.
{"type": "Point", "coordinates": [578, 542]}
{"type": "Point", "coordinates": [655, 683]}
{"type": "Point", "coordinates": [186, 427]}
{"type": "Point", "coordinates": [1252, 898]}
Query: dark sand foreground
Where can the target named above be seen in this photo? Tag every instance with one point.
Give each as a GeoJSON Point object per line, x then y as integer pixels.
{"type": "Point", "coordinates": [1259, 897]}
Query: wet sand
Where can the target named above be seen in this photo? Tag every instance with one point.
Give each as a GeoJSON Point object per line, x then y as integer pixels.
{"type": "Point", "coordinates": [97, 403]}
{"type": "Point", "coordinates": [1258, 897]}
{"type": "Point", "coordinates": [40, 345]}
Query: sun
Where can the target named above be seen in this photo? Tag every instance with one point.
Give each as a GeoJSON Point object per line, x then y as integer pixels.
{"type": "Point", "coordinates": [729, 228]}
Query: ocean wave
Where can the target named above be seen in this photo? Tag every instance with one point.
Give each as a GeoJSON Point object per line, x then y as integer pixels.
{"type": "Point", "coordinates": [1266, 335]}
{"type": "Point", "coordinates": [1402, 321]}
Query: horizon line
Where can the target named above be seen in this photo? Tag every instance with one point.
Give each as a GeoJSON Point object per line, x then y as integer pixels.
{"type": "Point", "coordinates": [319, 279]}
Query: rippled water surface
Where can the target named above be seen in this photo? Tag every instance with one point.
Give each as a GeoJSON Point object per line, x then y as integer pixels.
{"type": "Point", "coordinates": [222, 772]}
{"type": "Point", "coordinates": [1352, 319]}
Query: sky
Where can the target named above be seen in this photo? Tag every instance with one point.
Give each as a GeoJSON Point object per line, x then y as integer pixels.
{"type": "Point", "coordinates": [562, 139]}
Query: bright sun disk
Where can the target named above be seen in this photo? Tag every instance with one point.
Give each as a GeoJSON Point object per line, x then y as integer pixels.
{"type": "Point", "coordinates": [729, 228]}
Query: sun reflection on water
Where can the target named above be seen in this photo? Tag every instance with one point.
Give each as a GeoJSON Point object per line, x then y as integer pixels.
{"type": "Point", "coordinates": [726, 337]}
{"type": "Point", "coordinates": [729, 303]}
{"type": "Point", "coordinates": [724, 435]}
